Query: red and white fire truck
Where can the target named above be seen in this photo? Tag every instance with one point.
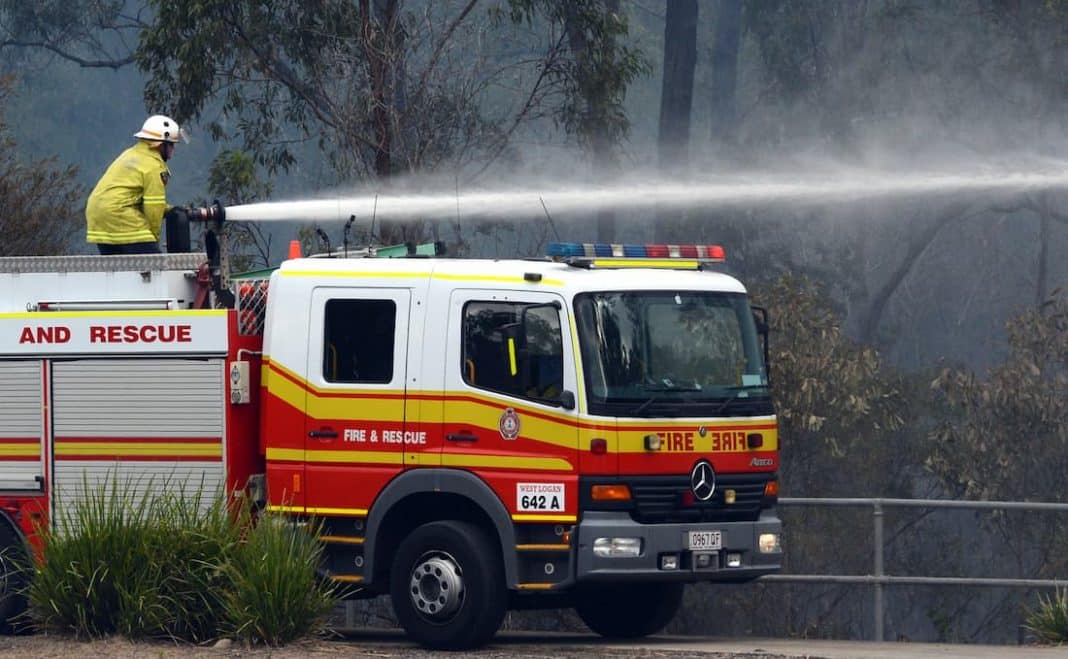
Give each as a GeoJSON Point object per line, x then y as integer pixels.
{"type": "Point", "coordinates": [593, 429]}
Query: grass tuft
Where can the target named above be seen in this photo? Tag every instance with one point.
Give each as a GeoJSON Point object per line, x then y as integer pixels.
{"type": "Point", "coordinates": [164, 565]}
{"type": "Point", "coordinates": [275, 595]}
{"type": "Point", "coordinates": [1049, 621]}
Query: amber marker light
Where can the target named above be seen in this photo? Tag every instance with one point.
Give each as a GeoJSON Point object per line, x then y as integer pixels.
{"type": "Point", "coordinates": [610, 493]}
{"type": "Point", "coordinates": [771, 489]}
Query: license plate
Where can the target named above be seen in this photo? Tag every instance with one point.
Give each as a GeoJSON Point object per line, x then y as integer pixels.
{"type": "Point", "coordinates": [709, 540]}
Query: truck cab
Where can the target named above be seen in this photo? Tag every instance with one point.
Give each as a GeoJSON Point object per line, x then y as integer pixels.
{"type": "Point", "coordinates": [593, 430]}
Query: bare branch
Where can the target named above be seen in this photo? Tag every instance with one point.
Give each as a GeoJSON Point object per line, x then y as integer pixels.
{"type": "Point", "coordinates": [527, 106]}
{"type": "Point", "coordinates": [80, 61]}
{"type": "Point", "coordinates": [917, 246]}
{"type": "Point", "coordinates": [438, 50]}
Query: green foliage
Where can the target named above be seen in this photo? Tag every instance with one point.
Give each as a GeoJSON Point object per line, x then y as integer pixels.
{"type": "Point", "coordinates": [143, 566]}
{"type": "Point", "coordinates": [599, 68]}
{"type": "Point", "coordinates": [42, 205]}
{"type": "Point", "coordinates": [1007, 437]}
{"type": "Point", "coordinates": [833, 397]}
{"type": "Point", "coordinates": [376, 89]}
{"type": "Point", "coordinates": [139, 565]}
{"type": "Point", "coordinates": [66, 28]}
{"type": "Point", "coordinates": [163, 565]}
{"type": "Point", "coordinates": [1049, 621]}
{"type": "Point", "coordinates": [234, 178]}
{"type": "Point", "coordinates": [275, 595]}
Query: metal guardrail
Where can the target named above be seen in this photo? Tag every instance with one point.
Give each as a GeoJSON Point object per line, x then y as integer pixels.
{"type": "Point", "coordinates": [878, 578]}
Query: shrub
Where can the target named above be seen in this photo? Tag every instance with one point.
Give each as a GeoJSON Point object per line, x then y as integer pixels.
{"type": "Point", "coordinates": [167, 565]}
{"type": "Point", "coordinates": [139, 565]}
{"type": "Point", "coordinates": [275, 595]}
{"type": "Point", "coordinates": [1050, 620]}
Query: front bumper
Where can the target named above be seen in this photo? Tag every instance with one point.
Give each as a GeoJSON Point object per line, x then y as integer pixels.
{"type": "Point", "coordinates": [658, 539]}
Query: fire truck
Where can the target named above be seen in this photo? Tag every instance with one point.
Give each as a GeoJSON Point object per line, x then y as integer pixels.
{"type": "Point", "coordinates": [592, 430]}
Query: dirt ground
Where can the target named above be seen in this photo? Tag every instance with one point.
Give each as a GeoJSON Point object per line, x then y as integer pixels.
{"type": "Point", "coordinates": [45, 645]}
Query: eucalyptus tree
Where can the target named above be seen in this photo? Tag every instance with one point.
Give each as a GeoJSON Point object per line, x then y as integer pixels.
{"type": "Point", "coordinates": [42, 205]}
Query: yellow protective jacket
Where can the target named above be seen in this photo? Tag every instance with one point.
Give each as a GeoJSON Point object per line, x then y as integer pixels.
{"type": "Point", "coordinates": [129, 200]}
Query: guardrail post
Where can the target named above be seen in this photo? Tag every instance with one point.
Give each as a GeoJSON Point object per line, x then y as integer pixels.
{"type": "Point", "coordinates": [877, 603]}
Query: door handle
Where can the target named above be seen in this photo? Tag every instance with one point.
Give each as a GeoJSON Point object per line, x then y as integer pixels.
{"type": "Point", "coordinates": [460, 437]}
{"type": "Point", "coordinates": [323, 433]}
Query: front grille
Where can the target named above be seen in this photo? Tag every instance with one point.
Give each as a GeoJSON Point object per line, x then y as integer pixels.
{"type": "Point", "coordinates": [663, 499]}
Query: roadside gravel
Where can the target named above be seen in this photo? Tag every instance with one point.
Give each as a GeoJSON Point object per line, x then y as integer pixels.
{"type": "Point", "coordinates": [48, 646]}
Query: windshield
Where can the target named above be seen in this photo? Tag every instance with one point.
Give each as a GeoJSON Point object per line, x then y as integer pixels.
{"type": "Point", "coordinates": [660, 353]}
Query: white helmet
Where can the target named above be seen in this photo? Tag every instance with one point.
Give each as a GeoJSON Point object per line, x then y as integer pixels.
{"type": "Point", "coordinates": [160, 128]}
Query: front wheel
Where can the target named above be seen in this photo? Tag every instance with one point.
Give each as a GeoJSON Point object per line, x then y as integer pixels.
{"type": "Point", "coordinates": [628, 610]}
{"type": "Point", "coordinates": [447, 585]}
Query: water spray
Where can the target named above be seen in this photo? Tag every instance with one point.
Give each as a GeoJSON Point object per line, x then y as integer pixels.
{"type": "Point", "coordinates": [519, 203]}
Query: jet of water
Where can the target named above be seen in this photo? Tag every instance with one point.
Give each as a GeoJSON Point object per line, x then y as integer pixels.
{"type": "Point", "coordinates": [835, 186]}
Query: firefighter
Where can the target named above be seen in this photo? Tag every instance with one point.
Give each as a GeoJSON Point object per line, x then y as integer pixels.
{"type": "Point", "coordinates": [125, 211]}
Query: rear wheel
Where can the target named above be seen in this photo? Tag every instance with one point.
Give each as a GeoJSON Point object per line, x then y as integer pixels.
{"type": "Point", "coordinates": [628, 610]}
{"type": "Point", "coordinates": [447, 585]}
{"type": "Point", "coordinates": [13, 577]}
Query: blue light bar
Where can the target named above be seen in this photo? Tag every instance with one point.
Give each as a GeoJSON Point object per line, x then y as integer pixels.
{"type": "Point", "coordinates": [565, 250]}
{"type": "Point", "coordinates": [636, 256]}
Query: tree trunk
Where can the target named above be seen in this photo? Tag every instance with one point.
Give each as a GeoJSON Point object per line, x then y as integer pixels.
{"type": "Point", "coordinates": [598, 107]}
{"type": "Point", "coordinates": [376, 29]}
{"type": "Point", "coordinates": [379, 36]}
{"type": "Point", "coordinates": [725, 70]}
{"type": "Point", "coordinates": [676, 92]}
{"type": "Point", "coordinates": [1042, 285]}
{"type": "Point", "coordinates": [918, 243]}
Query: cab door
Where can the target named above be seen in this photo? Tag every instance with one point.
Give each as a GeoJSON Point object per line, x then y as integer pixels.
{"type": "Point", "coordinates": [510, 413]}
{"type": "Point", "coordinates": [354, 416]}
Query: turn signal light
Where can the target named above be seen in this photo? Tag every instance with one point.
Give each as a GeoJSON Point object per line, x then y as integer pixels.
{"type": "Point", "coordinates": [610, 493]}
{"type": "Point", "coordinates": [771, 489]}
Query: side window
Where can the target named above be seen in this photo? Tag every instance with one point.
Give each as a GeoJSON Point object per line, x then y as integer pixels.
{"type": "Point", "coordinates": [514, 348]}
{"type": "Point", "coordinates": [358, 341]}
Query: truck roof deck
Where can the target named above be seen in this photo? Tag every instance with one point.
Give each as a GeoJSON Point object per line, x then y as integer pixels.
{"type": "Point", "coordinates": [509, 272]}
{"type": "Point", "coordinates": [167, 279]}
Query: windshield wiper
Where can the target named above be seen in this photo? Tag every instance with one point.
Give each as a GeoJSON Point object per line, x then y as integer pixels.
{"type": "Point", "coordinates": [736, 393]}
{"type": "Point", "coordinates": [658, 393]}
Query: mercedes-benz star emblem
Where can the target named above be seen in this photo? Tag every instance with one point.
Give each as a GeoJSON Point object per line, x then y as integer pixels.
{"type": "Point", "coordinates": [703, 481]}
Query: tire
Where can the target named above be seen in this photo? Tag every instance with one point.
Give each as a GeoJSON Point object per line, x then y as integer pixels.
{"type": "Point", "coordinates": [447, 585]}
{"type": "Point", "coordinates": [628, 610]}
{"type": "Point", "coordinates": [13, 578]}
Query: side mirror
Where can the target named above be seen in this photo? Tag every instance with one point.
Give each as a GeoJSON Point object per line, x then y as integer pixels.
{"type": "Point", "coordinates": [760, 318]}
{"type": "Point", "coordinates": [763, 328]}
{"type": "Point", "coordinates": [567, 400]}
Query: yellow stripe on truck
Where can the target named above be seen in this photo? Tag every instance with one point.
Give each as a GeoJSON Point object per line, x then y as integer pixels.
{"type": "Point", "coordinates": [335, 456]}
{"type": "Point", "coordinates": [110, 448]}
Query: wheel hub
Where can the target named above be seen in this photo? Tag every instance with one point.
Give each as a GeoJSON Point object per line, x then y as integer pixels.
{"type": "Point", "coordinates": [437, 586]}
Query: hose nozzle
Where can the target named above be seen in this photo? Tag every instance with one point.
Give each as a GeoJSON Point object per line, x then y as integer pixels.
{"type": "Point", "coordinates": [216, 212]}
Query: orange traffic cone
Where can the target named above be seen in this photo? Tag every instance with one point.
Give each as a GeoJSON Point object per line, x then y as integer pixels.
{"type": "Point", "coordinates": [294, 249]}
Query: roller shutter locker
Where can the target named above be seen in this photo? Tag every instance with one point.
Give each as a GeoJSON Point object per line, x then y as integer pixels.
{"type": "Point", "coordinates": [147, 424]}
{"type": "Point", "coordinates": [21, 425]}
